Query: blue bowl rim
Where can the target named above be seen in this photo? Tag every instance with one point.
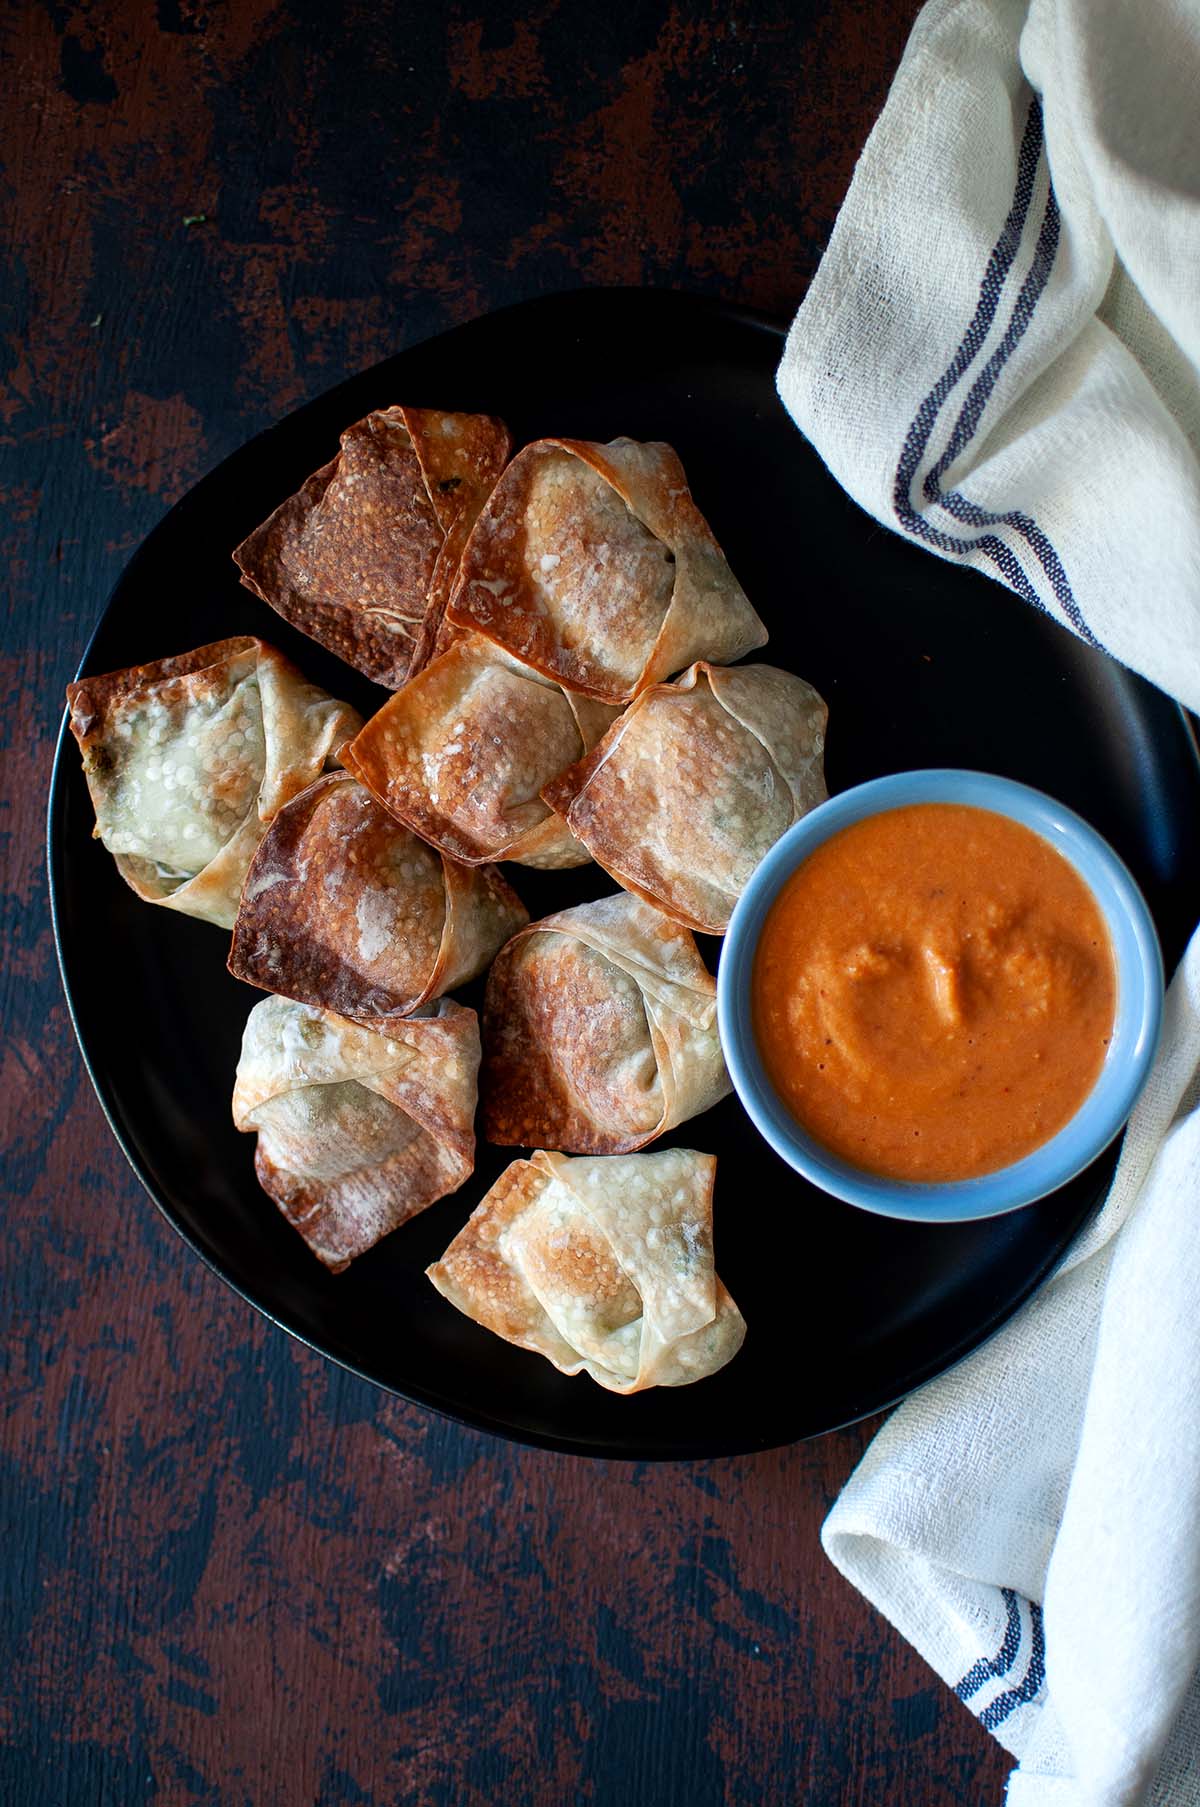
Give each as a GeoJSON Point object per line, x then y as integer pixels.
{"type": "Point", "coordinates": [1137, 1023]}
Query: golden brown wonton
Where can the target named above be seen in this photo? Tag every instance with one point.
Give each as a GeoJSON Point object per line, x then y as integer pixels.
{"type": "Point", "coordinates": [600, 1031]}
{"type": "Point", "coordinates": [363, 556]}
{"type": "Point", "coordinates": [462, 751]}
{"type": "Point", "coordinates": [593, 564]}
{"type": "Point", "coordinates": [189, 759]}
{"type": "Point", "coordinates": [345, 908]}
{"type": "Point", "coordinates": [357, 1131]}
{"type": "Point", "coordinates": [602, 1265]}
{"type": "Point", "coordinates": [695, 782]}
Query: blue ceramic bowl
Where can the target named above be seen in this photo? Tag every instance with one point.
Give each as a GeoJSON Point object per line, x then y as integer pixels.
{"type": "Point", "coordinates": [1135, 1036]}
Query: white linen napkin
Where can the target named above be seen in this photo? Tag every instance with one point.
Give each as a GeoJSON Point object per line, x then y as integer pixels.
{"type": "Point", "coordinates": [1000, 358]}
{"type": "Point", "coordinates": [1009, 371]}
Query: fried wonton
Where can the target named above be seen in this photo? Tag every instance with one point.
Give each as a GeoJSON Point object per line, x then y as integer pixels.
{"type": "Point", "coordinates": [343, 907]}
{"type": "Point", "coordinates": [357, 1131]}
{"type": "Point", "coordinates": [189, 759]}
{"type": "Point", "coordinates": [363, 556]}
{"type": "Point", "coordinates": [693, 784]}
{"type": "Point", "coordinates": [593, 564]}
{"type": "Point", "coordinates": [604, 1266]}
{"type": "Point", "coordinates": [462, 751]}
{"type": "Point", "coordinates": [600, 1031]}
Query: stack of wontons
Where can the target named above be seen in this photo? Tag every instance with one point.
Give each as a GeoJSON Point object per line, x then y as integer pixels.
{"type": "Point", "coordinates": [558, 633]}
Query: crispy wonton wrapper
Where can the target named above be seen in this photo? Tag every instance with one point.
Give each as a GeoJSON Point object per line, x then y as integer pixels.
{"type": "Point", "coordinates": [604, 1266]}
{"type": "Point", "coordinates": [189, 759]}
{"type": "Point", "coordinates": [593, 564]}
{"type": "Point", "coordinates": [462, 751]}
{"type": "Point", "coordinates": [689, 789]}
{"type": "Point", "coordinates": [357, 1132]}
{"type": "Point", "coordinates": [363, 556]}
{"type": "Point", "coordinates": [600, 1031]}
{"type": "Point", "coordinates": [343, 907]}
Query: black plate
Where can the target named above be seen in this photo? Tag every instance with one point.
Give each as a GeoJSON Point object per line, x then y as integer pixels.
{"type": "Point", "coordinates": [922, 663]}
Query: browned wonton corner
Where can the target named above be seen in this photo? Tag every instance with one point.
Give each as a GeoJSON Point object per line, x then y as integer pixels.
{"type": "Point", "coordinates": [363, 556]}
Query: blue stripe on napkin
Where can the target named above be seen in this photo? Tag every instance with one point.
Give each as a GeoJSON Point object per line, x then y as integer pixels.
{"type": "Point", "coordinates": [1012, 1646]}
{"type": "Point", "coordinates": [916, 440]}
{"type": "Point", "coordinates": [1035, 1675]}
{"type": "Point", "coordinates": [1002, 1662]}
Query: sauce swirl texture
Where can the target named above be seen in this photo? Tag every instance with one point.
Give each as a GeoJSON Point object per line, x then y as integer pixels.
{"type": "Point", "coordinates": [933, 992]}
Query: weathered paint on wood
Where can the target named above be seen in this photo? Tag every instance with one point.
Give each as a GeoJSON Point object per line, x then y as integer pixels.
{"type": "Point", "coordinates": [232, 1573]}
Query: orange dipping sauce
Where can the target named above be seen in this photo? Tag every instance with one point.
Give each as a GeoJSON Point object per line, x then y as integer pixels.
{"type": "Point", "coordinates": [933, 992]}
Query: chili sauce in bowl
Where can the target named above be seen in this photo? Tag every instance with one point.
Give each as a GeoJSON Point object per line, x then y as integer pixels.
{"type": "Point", "coordinates": [939, 995]}
{"type": "Point", "coordinates": [934, 991]}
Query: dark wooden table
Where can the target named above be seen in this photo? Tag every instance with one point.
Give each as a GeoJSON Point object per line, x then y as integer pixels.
{"type": "Point", "coordinates": [232, 1573]}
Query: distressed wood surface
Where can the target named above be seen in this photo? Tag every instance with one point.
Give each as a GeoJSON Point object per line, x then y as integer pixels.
{"type": "Point", "coordinates": [231, 1572]}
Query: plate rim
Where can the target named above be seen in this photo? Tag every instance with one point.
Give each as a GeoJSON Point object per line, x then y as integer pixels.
{"type": "Point", "coordinates": [715, 1449]}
